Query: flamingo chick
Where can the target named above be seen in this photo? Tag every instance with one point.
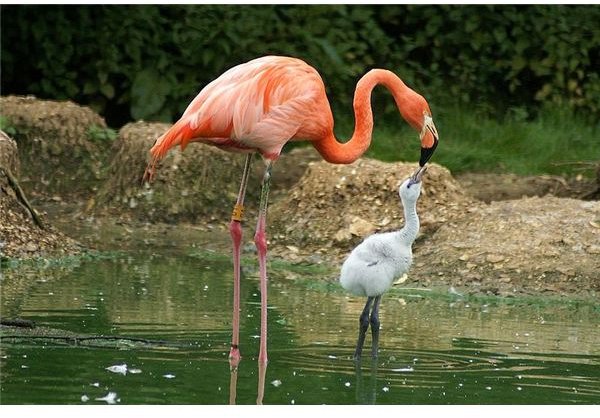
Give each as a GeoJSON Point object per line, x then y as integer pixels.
{"type": "Point", "coordinates": [372, 267]}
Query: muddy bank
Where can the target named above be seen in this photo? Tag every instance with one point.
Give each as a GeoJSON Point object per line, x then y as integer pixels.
{"type": "Point", "coordinates": [58, 156]}
{"type": "Point", "coordinates": [21, 238]}
{"type": "Point", "coordinates": [536, 244]}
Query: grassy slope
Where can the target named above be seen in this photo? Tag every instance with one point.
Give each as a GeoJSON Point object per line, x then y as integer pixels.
{"type": "Point", "coordinates": [472, 142]}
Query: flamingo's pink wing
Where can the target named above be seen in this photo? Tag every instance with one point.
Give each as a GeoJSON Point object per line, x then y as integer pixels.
{"type": "Point", "coordinates": [259, 104]}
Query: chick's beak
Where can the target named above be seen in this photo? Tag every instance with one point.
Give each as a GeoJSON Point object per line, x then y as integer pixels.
{"type": "Point", "coordinates": [417, 175]}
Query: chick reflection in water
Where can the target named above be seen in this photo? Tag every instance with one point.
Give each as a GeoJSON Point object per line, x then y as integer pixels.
{"type": "Point", "coordinates": [366, 394]}
{"type": "Point", "coordinates": [372, 267]}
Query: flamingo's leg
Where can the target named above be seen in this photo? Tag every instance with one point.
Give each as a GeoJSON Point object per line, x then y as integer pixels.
{"type": "Point", "coordinates": [260, 239]}
{"type": "Point", "coordinates": [363, 327]}
{"type": "Point", "coordinates": [375, 326]}
{"type": "Point", "coordinates": [235, 229]}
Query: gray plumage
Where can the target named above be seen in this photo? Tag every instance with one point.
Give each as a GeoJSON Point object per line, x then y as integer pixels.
{"type": "Point", "coordinates": [374, 264]}
{"type": "Point", "coordinates": [372, 267]}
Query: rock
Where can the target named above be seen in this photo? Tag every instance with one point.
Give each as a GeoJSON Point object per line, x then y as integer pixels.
{"type": "Point", "coordinates": [385, 221]}
{"type": "Point", "coordinates": [31, 247]}
{"type": "Point", "coordinates": [292, 248]}
{"type": "Point", "coordinates": [494, 258]}
{"type": "Point", "coordinates": [402, 279]}
{"type": "Point", "coordinates": [593, 249]}
{"type": "Point", "coordinates": [342, 235]}
{"type": "Point", "coordinates": [361, 227]}
{"type": "Point", "coordinates": [566, 271]}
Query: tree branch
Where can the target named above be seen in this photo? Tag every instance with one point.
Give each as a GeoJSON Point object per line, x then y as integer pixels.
{"type": "Point", "coordinates": [14, 184]}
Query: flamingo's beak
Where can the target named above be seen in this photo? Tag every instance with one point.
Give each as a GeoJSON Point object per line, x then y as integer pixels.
{"type": "Point", "coordinates": [426, 153]}
{"type": "Point", "coordinates": [429, 139]}
{"type": "Point", "coordinates": [417, 175]}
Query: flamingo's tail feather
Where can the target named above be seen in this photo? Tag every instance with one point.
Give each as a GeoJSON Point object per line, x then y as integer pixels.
{"type": "Point", "coordinates": [179, 134]}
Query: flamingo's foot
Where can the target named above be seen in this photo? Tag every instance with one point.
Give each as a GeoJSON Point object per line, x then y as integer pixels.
{"type": "Point", "coordinates": [234, 357]}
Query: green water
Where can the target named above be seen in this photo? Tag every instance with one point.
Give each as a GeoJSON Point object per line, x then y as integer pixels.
{"type": "Point", "coordinates": [435, 348]}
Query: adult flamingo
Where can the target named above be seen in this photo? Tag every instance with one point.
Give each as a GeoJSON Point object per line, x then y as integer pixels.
{"type": "Point", "coordinates": [258, 107]}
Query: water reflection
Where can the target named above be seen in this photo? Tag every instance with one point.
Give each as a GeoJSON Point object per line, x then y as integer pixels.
{"type": "Point", "coordinates": [233, 378]}
{"type": "Point", "coordinates": [432, 349]}
{"type": "Point", "coordinates": [233, 385]}
{"type": "Point", "coordinates": [366, 394]}
{"type": "Point", "coordinates": [262, 372]}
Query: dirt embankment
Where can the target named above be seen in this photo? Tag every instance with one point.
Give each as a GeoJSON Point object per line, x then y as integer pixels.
{"type": "Point", "coordinates": [24, 233]}
{"type": "Point", "coordinates": [333, 207]}
{"type": "Point", "coordinates": [61, 145]}
{"type": "Point", "coordinates": [534, 244]}
{"type": "Point", "coordinates": [319, 211]}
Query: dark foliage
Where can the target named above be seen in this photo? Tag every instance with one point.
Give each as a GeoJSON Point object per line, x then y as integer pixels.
{"type": "Point", "coordinates": [148, 62]}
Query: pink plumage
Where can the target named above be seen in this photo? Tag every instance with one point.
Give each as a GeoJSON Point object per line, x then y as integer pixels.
{"type": "Point", "coordinates": [256, 106]}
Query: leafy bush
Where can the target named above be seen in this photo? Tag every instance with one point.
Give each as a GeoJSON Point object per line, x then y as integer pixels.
{"type": "Point", "coordinates": [148, 62]}
{"type": "Point", "coordinates": [519, 55]}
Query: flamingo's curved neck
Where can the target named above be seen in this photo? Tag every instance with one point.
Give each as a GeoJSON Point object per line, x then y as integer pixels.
{"type": "Point", "coordinates": [337, 152]}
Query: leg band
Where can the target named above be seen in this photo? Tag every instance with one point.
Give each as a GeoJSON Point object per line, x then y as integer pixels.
{"type": "Point", "coordinates": [238, 213]}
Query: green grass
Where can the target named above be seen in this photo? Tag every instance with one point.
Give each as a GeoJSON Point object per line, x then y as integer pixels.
{"type": "Point", "coordinates": [473, 142]}
{"type": "Point", "coordinates": [7, 126]}
{"type": "Point", "coordinates": [100, 134]}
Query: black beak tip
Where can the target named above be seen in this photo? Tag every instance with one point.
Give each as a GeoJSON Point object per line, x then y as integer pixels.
{"type": "Point", "coordinates": [426, 153]}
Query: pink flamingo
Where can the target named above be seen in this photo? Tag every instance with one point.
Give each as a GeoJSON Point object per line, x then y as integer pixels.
{"type": "Point", "coordinates": [259, 106]}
